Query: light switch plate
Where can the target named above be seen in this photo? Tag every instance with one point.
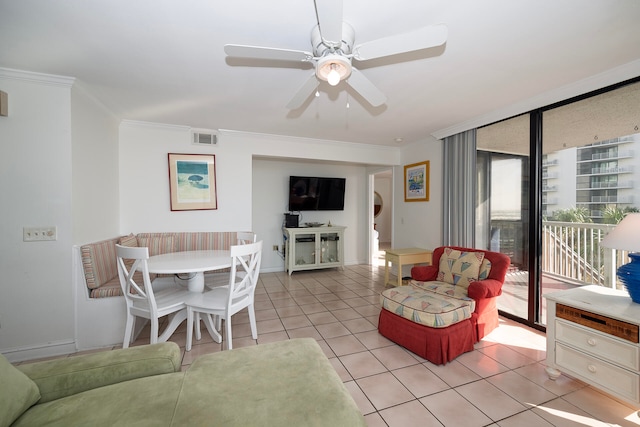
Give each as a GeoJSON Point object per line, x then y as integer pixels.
{"type": "Point", "coordinates": [4, 104]}
{"type": "Point", "coordinates": [39, 234]}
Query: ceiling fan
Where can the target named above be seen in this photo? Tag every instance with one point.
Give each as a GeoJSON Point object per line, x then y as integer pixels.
{"type": "Point", "coordinates": [333, 50]}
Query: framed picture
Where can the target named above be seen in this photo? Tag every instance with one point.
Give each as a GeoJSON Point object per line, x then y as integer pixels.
{"type": "Point", "coordinates": [192, 181]}
{"type": "Point", "coordinates": [416, 182]}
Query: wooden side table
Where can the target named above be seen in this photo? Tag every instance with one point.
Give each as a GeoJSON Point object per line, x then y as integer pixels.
{"type": "Point", "coordinates": [402, 257]}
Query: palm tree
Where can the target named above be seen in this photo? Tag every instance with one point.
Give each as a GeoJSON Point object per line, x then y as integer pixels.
{"type": "Point", "coordinates": [580, 214]}
{"type": "Point", "coordinates": [613, 214]}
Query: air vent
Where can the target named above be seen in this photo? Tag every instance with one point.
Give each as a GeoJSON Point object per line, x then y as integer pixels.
{"type": "Point", "coordinates": [204, 137]}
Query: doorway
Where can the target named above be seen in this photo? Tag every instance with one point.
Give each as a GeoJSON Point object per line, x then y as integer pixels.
{"type": "Point", "coordinates": [381, 211]}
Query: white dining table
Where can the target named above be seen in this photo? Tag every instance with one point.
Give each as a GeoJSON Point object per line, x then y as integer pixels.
{"type": "Point", "coordinates": [190, 263]}
{"type": "Point", "coordinates": [193, 264]}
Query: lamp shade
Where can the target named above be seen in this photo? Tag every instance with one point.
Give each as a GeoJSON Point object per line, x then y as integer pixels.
{"type": "Point", "coordinates": [626, 235]}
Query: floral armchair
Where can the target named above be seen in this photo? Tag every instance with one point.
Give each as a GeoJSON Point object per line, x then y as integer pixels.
{"type": "Point", "coordinates": [448, 306]}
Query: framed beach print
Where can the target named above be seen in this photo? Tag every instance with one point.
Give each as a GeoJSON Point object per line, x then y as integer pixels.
{"type": "Point", "coordinates": [192, 181]}
{"type": "Point", "coordinates": [416, 182]}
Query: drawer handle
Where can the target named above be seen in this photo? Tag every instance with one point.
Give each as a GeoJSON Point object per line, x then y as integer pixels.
{"type": "Point", "coordinates": [591, 369]}
{"type": "Point", "coordinates": [592, 341]}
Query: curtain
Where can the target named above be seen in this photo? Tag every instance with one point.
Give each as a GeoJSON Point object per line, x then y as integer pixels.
{"type": "Point", "coordinates": [459, 189]}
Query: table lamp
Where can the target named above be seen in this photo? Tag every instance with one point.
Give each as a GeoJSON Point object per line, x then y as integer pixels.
{"type": "Point", "coordinates": [626, 237]}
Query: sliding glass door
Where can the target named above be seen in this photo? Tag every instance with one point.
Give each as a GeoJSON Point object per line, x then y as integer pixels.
{"type": "Point", "coordinates": [502, 208]}
{"type": "Point", "coordinates": [590, 179]}
{"type": "Point", "coordinates": [551, 184]}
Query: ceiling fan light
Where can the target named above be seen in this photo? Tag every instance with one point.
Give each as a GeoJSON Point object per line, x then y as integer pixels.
{"type": "Point", "coordinates": [333, 69]}
{"type": "Point", "coordinates": [333, 78]}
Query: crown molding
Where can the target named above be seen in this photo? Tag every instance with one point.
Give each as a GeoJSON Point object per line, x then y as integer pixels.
{"type": "Point", "coordinates": [33, 77]}
{"type": "Point", "coordinates": [140, 123]}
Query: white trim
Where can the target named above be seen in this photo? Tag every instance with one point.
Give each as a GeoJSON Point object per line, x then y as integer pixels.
{"type": "Point", "coordinates": [598, 81]}
{"type": "Point", "coordinates": [54, 348]}
{"type": "Point", "coordinates": [30, 76]}
{"type": "Point", "coordinates": [138, 123]}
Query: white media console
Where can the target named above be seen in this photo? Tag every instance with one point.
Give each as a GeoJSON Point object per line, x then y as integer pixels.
{"type": "Point", "coordinates": [310, 248]}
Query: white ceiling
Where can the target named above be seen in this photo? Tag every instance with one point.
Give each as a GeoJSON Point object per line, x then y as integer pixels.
{"type": "Point", "coordinates": [163, 60]}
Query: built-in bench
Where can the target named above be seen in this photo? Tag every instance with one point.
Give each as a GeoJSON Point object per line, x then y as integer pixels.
{"type": "Point", "coordinates": [99, 258]}
{"type": "Point", "coordinates": [100, 306]}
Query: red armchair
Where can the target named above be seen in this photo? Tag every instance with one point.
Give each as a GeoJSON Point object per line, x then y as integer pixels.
{"type": "Point", "coordinates": [440, 344]}
{"type": "Point", "coordinates": [484, 292]}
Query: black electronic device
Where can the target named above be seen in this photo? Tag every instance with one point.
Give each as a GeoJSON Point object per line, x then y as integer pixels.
{"type": "Point", "coordinates": [291, 220]}
{"type": "Point", "coordinates": [316, 193]}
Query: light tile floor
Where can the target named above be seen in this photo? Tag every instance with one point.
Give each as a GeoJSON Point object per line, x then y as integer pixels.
{"type": "Point", "coordinates": [501, 383]}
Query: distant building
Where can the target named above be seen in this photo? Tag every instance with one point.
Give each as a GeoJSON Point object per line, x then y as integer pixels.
{"type": "Point", "coordinates": [594, 176]}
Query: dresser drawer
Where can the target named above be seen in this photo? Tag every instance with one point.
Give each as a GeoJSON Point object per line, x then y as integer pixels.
{"type": "Point", "coordinates": [605, 346]}
{"type": "Point", "coordinates": [595, 371]}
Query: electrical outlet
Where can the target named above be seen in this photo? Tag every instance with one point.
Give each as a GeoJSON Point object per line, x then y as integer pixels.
{"type": "Point", "coordinates": [39, 234]}
{"type": "Point", "coordinates": [276, 248]}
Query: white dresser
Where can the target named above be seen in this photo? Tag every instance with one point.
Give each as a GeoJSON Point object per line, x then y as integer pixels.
{"type": "Point", "coordinates": [592, 335]}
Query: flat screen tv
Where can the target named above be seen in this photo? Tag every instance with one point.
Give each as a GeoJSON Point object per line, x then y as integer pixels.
{"type": "Point", "coordinates": [316, 194]}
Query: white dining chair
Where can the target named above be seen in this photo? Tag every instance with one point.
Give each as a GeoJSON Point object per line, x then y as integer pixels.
{"type": "Point", "coordinates": [139, 294]}
{"type": "Point", "coordinates": [216, 279]}
{"type": "Point", "coordinates": [225, 301]}
{"type": "Point", "coordinates": [245, 237]}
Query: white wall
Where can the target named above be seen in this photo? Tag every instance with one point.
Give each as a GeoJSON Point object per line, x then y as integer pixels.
{"type": "Point", "coordinates": [66, 162]}
{"type": "Point", "coordinates": [36, 300]}
{"type": "Point", "coordinates": [144, 182]}
{"type": "Point", "coordinates": [96, 204]}
{"type": "Point", "coordinates": [252, 172]}
{"type": "Point", "coordinates": [96, 213]}
{"type": "Point", "coordinates": [419, 224]}
{"type": "Point", "coordinates": [271, 185]}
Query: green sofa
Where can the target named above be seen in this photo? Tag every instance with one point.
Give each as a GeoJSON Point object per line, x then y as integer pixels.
{"type": "Point", "coordinates": [288, 383]}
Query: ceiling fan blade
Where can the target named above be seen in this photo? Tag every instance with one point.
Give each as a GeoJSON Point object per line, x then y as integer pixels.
{"type": "Point", "coordinates": [260, 52]}
{"type": "Point", "coordinates": [303, 93]}
{"type": "Point", "coordinates": [422, 38]}
{"type": "Point", "coordinates": [329, 14]}
{"type": "Point", "coordinates": [365, 88]}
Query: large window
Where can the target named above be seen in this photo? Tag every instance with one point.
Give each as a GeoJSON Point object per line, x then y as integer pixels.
{"type": "Point", "coordinates": [592, 147]}
{"type": "Point", "coordinates": [547, 195]}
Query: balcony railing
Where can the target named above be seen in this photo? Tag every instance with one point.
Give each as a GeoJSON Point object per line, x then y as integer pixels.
{"type": "Point", "coordinates": [611, 199]}
{"type": "Point", "coordinates": [609, 155]}
{"type": "Point", "coordinates": [620, 140]}
{"type": "Point", "coordinates": [605, 184]}
{"type": "Point", "coordinates": [572, 252]}
{"type": "Point", "coordinates": [607, 171]}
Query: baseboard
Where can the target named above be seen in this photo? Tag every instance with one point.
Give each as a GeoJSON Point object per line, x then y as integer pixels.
{"type": "Point", "coordinates": [50, 349]}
